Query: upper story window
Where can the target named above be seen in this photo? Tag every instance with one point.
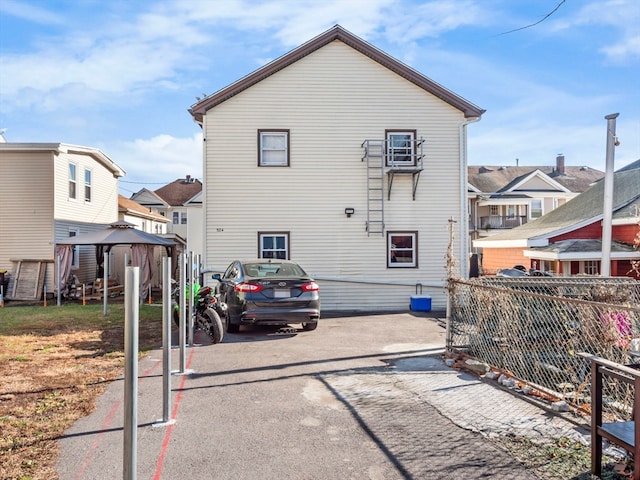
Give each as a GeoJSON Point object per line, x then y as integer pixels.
{"type": "Point", "coordinates": [73, 192]}
{"type": "Point", "coordinates": [402, 249]}
{"type": "Point", "coordinates": [274, 245]}
{"type": "Point", "coordinates": [401, 148]}
{"type": "Point", "coordinates": [494, 210]}
{"type": "Point", "coordinates": [536, 208]}
{"type": "Point", "coordinates": [87, 185]}
{"type": "Point", "coordinates": [273, 148]}
{"type": "Point", "coordinates": [179, 218]}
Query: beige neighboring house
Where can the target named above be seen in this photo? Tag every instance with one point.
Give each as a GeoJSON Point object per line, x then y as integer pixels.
{"type": "Point", "coordinates": [505, 197]}
{"type": "Point", "coordinates": [181, 203]}
{"type": "Point", "coordinates": [49, 192]}
{"type": "Point", "coordinates": [342, 158]}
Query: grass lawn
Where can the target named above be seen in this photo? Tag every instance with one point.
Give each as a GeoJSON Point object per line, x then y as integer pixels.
{"type": "Point", "coordinates": [55, 362]}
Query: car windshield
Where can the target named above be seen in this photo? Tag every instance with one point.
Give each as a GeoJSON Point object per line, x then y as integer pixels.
{"type": "Point", "coordinates": [273, 269]}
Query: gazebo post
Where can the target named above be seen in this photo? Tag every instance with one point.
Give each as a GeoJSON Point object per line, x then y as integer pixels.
{"type": "Point", "coordinates": [105, 285]}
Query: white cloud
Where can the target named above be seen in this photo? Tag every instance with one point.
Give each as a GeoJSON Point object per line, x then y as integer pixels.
{"type": "Point", "coordinates": [31, 13]}
{"type": "Point", "coordinates": [158, 160]}
{"type": "Point", "coordinates": [623, 18]}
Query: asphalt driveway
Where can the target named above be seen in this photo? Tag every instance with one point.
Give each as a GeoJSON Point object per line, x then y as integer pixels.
{"type": "Point", "coordinates": [329, 404]}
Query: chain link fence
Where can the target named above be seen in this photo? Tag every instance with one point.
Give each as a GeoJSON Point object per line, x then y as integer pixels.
{"type": "Point", "coordinates": [532, 329]}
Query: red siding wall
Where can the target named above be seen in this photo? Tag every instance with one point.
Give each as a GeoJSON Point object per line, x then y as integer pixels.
{"type": "Point", "coordinates": [625, 233]}
{"type": "Point", "coordinates": [621, 233]}
{"type": "Point", "coordinates": [494, 259]}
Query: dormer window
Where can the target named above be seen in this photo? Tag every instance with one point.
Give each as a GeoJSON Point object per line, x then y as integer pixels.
{"type": "Point", "coordinates": [401, 148]}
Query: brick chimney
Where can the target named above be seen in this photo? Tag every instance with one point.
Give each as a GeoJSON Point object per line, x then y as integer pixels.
{"type": "Point", "coordinates": [560, 164]}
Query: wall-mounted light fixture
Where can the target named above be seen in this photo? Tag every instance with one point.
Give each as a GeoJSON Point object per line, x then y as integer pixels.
{"type": "Point", "coordinates": [349, 211]}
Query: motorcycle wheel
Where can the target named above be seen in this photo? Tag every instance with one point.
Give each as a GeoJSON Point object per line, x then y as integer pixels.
{"type": "Point", "coordinates": [213, 326]}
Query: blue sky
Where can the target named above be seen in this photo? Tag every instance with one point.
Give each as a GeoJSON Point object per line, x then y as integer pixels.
{"type": "Point", "coordinates": [120, 75]}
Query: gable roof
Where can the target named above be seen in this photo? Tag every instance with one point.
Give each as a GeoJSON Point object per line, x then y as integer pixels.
{"type": "Point", "coordinates": [519, 183]}
{"type": "Point", "coordinates": [131, 207]}
{"type": "Point", "coordinates": [494, 179]}
{"type": "Point", "coordinates": [57, 148]}
{"type": "Point", "coordinates": [149, 198]}
{"type": "Point", "coordinates": [578, 212]}
{"type": "Point", "coordinates": [180, 191]}
{"type": "Point", "coordinates": [199, 109]}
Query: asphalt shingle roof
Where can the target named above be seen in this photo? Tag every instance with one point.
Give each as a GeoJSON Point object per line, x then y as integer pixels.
{"type": "Point", "coordinates": [586, 206]}
{"type": "Point", "coordinates": [491, 179]}
{"type": "Point", "coordinates": [180, 191]}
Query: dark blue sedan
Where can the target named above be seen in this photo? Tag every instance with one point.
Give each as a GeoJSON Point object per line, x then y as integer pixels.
{"type": "Point", "coordinates": [269, 292]}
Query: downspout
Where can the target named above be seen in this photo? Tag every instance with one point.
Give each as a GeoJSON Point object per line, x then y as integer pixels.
{"type": "Point", "coordinates": [464, 214]}
{"type": "Point", "coordinates": [205, 249]}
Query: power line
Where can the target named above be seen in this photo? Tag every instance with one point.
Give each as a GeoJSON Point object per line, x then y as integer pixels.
{"type": "Point", "coordinates": [536, 23]}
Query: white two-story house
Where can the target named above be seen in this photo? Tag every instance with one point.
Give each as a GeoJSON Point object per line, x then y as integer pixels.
{"type": "Point", "coordinates": [345, 160]}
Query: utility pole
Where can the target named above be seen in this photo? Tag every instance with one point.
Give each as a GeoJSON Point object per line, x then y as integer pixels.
{"type": "Point", "coordinates": [607, 209]}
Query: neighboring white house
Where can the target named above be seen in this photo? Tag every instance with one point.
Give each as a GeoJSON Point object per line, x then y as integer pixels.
{"type": "Point", "coordinates": [343, 159]}
{"type": "Point", "coordinates": [507, 196]}
{"type": "Point", "coordinates": [141, 217]}
{"type": "Point", "coordinates": [49, 192]}
{"type": "Point", "coordinates": [181, 202]}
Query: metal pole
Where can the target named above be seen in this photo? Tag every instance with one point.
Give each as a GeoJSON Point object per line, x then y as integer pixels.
{"type": "Point", "coordinates": [166, 338]}
{"type": "Point", "coordinates": [182, 327]}
{"type": "Point", "coordinates": [191, 295]}
{"type": "Point", "coordinates": [607, 209]}
{"type": "Point", "coordinates": [131, 314]}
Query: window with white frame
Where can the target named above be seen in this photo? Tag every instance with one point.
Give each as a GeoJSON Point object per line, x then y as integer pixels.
{"type": "Point", "coordinates": [179, 218]}
{"type": "Point", "coordinates": [274, 245]}
{"type": "Point", "coordinates": [73, 191]}
{"type": "Point", "coordinates": [75, 251]}
{"type": "Point", "coordinates": [494, 210]}
{"type": "Point", "coordinates": [535, 208]}
{"type": "Point", "coordinates": [402, 249]}
{"type": "Point", "coordinates": [87, 185]}
{"type": "Point", "coordinates": [400, 148]}
{"type": "Point", "coordinates": [273, 148]}
{"type": "Point", "coordinates": [591, 267]}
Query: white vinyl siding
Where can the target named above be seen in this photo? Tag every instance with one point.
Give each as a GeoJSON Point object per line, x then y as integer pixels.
{"type": "Point", "coordinates": [103, 207]}
{"type": "Point", "coordinates": [331, 101]}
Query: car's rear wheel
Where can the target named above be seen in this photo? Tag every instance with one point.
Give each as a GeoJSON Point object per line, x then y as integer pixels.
{"type": "Point", "coordinates": [232, 327]}
{"type": "Point", "coordinates": [309, 326]}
